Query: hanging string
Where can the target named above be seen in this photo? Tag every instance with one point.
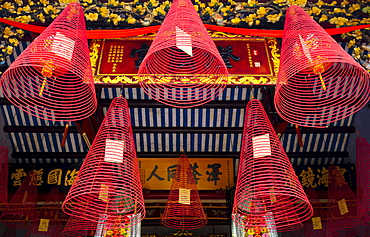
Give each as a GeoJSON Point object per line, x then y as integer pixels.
{"type": "Point", "coordinates": [113, 34]}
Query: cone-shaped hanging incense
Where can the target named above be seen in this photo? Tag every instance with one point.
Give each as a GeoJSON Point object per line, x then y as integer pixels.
{"type": "Point", "coordinates": [48, 221]}
{"type": "Point", "coordinates": [52, 78]}
{"type": "Point", "coordinates": [318, 82]}
{"type": "Point", "coordinates": [184, 209]}
{"type": "Point", "coordinates": [9, 232]}
{"type": "Point", "coordinates": [267, 185]}
{"type": "Point", "coordinates": [183, 67]}
{"type": "Point", "coordinates": [79, 227]}
{"type": "Point", "coordinates": [108, 183]}
{"type": "Point", "coordinates": [314, 227]}
{"type": "Point", "coordinates": [22, 210]}
{"type": "Point", "coordinates": [3, 177]}
{"type": "Point", "coordinates": [342, 204]}
{"type": "Point", "coordinates": [363, 177]}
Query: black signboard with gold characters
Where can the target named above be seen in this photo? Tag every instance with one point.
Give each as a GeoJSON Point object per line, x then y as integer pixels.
{"type": "Point", "coordinates": [48, 176]}
{"type": "Point", "coordinates": [210, 174]}
{"type": "Point", "coordinates": [317, 176]}
{"type": "Point", "coordinates": [156, 174]}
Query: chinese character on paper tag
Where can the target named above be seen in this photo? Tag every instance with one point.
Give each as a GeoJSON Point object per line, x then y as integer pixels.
{"type": "Point", "coordinates": [44, 225]}
{"type": "Point", "coordinates": [184, 196]}
{"type": "Point", "coordinates": [342, 206]}
{"type": "Point", "coordinates": [316, 223]}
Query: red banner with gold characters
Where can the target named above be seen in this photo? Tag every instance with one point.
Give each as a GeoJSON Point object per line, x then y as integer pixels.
{"type": "Point", "coordinates": [249, 60]}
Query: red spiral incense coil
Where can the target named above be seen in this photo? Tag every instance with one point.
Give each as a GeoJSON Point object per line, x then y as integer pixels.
{"type": "Point", "coordinates": [108, 183]}
{"type": "Point", "coordinates": [3, 176]}
{"type": "Point", "coordinates": [363, 177]}
{"type": "Point", "coordinates": [314, 227]}
{"type": "Point", "coordinates": [52, 78]}
{"type": "Point", "coordinates": [184, 209]}
{"type": "Point", "coordinates": [9, 232]}
{"type": "Point", "coordinates": [267, 186]}
{"type": "Point", "coordinates": [318, 82]}
{"type": "Point", "coordinates": [183, 67]}
{"type": "Point", "coordinates": [342, 204]}
{"type": "Point", "coordinates": [48, 222]}
{"type": "Point", "coordinates": [21, 211]}
{"type": "Point", "coordinates": [80, 227]}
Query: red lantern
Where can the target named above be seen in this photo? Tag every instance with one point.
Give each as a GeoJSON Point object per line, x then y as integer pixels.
{"type": "Point", "coordinates": [48, 221]}
{"type": "Point", "coordinates": [342, 204]}
{"type": "Point", "coordinates": [108, 183]}
{"type": "Point", "coordinates": [22, 208]}
{"type": "Point", "coordinates": [184, 209]}
{"type": "Point", "coordinates": [3, 176]}
{"type": "Point", "coordinates": [267, 186]}
{"type": "Point", "coordinates": [363, 177]}
{"type": "Point", "coordinates": [52, 78]}
{"type": "Point", "coordinates": [318, 82]}
{"type": "Point", "coordinates": [183, 67]}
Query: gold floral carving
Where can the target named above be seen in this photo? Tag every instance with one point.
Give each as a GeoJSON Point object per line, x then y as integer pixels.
{"type": "Point", "coordinates": [275, 55]}
{"type": "Point", "coordinates": [94, 54]}
{"type": "Point", "coordinates": [183, 233]}
{"type": "Point", "coordinates": [218, 34]}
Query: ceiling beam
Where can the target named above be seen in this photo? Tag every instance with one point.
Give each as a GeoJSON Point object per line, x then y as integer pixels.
{"type": "Point", "coordinates": [234, 155]}
{"type": "Point", "coordinates": [137, 85]}
{"type": "Point", "coordinates": [4, 101]}
{"type": "Point", "coordinates": [39, 129]}
{"type": "Point", "coordinates": [234, 104]}
{"type": "Point", "coordinates": [73, 129]}
{"type": "Point", "coordinates": [155, 104]}
{"type": "Point", "coordinates": [3, 68]}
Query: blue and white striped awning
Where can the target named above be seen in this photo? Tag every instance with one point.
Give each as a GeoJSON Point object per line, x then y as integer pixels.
{"type": "Point", "coordinates": [171, 117]}
{"type": "Point", "coordinates": [16, 51]}
{"type": "Point", "coordinates": [177, 118]}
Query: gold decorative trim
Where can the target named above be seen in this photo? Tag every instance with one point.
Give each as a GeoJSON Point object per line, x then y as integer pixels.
{"type": "Point", "coordinates": [94, 55]}
{"type": "Point", "coordinates": [183, 233]}
{"type": "Point", "coordinates": [275, 56]}
{"type": "Point", "coordinates": [248, 80]}
{"type": "Point", "coordinates": [218, 34]}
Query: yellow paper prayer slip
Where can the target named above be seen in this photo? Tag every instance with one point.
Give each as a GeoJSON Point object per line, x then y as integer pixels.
{"type": "Point", "coordinates": [44, 225]}
{"type": "Point", "coordinates": [103, 194]}
{"type": "Point", "coordinates": [272, 195]}
{"type": "Point", "coordinates": [316, 222]}
{"type": "Point", "coordinates": [342, 206]}
{"type": "Point", "coordinates": [184, 196]}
